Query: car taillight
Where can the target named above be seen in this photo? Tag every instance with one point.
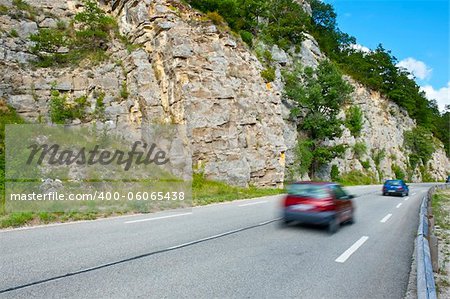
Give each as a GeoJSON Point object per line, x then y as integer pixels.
{"type": "Point", "coordinates": [291, 200]}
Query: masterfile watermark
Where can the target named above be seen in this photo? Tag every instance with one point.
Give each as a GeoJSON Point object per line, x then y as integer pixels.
{"type": "Point", "coordinates": [56, 155]}
{"type": "Point", "coordinates": [60, 169]}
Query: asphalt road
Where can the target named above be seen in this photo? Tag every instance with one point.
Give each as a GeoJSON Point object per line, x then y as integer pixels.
{"type": "Point", "coordinates": [230, 250]}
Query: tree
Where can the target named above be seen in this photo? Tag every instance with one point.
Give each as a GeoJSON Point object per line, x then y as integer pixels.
{"type": "Point", "coordinates": [319, 96]}
{"type": "Point", "coordinates": [420, 142]}
{"type": "Point", "coordinates": [354, 120]}
{"type": "Point", "coordinates": [94, 26]}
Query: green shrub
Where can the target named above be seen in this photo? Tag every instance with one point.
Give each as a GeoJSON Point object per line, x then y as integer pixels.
{"type": "Point", "coordinates": [356, 177]}
{"type": "Point", "coordinates": [399, 173]}
{"type": "Point", "coordinates": [426, 175]}
{"type": "Point", "coordinates": [48, 40]}
{"type": "Point", "coordinates": [268, 74]}
{"type": "Point", "coordinates": [216, 18]}
{"type": "Point", "coordinates": [378, 156]}
{"type": "Point", "coordinates": [3, 9]}
{"type": "Point", "coordinates": [354, 120]}
{"type": "Point", "coordinates": [334, 173]}
{"type": "Point", "coordinates": [16, 219]}
{"type": "Point", "coordinates": [206, 191]}
{"type": "Point", "coordinates": [89, 40]}
{"type": "Point", "coordinates": [100, 106]}
{"type": "Point", "coordinates": [247, 37]}
{"type": "Point", "coordinates": [302, 157]}
{"type": "Point", "coordinates": [94, 26]}
{"type": "Point", "coordinates": [61, 111]}
{"type": "Point", "coordinates": [365, 164]}
{"type": "Point", "coordinates": [7, 116]}
{"type": "Point", "coordinates": [420, 142]}
{"type": "Point", "coordinates": [124, 91]}
{"type": "Point", "coordinates": [21, 5]}
{"type": "Point", "coordinates": [13, 33]}
{"type": "Point", "coordinates": [360, 149]}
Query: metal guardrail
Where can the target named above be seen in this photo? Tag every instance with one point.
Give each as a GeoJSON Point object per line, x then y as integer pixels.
{"type": "Point", "coordinates": [426, 288]}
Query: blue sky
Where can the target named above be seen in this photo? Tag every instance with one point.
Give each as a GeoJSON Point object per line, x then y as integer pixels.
{"type": "Point", "coordinates": [416, 31]}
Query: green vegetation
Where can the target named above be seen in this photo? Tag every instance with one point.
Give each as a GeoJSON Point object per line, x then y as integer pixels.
{"type": "Point", "coordinates": [303, 158]}
{"type": "Point", "coordinates": [365, 164]}
{"type": "Point", "coordinates": [21, 5]}
{"type": "Point", "coordinates": [318, 95]}
{"type": "Point", "coordinates": [7, 116]}
{"type": "Point", "coordinates": [61, 111]}
{"type": "Point", "coordinates": [378, 156]}
{"type": "Point", "coordinates": [216, 18]}
{"type": "Point", "coordinates": [86, 38]}
{"type": "Point", "coordinates": [360, 149]}
{"type": "Point", "coordinates": [376, 69]}
{"type": "Point", "coordinates": [22, 9]}
{"type": "Point", "coordinates": [13, 33]}
{"type": "Point", "coordinates": [399, 173]}
{"type": "Point", "coordinates": [441, 208]}
{"type": "Point", "coordinates": [284, 20]}
{"type": "Point", "coordinates": [99, 111]}
{"type": "Point", "coordinates": [206, 191]}
{"type": "Point", "coordinates": [356, 177]}
{"type": "Point", "coordinates": [354, 120]}
{"type": "Point", "coordinates": [268, 74]}
{"type": "Point", "coordinates": [334, 174]}
{"type": "Point", "coordinates": [420, 142]}
{"type": "Point", "coordinates": [3, 9]}
{"type": "Point", "coordinates": [124, 91]}
{"type": "Point", "coordinates": [247, 37]}
{"type": "Point", "coordinates": [16, 219]}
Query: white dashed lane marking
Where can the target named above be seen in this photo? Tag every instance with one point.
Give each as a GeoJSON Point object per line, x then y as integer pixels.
{"type": "Point", "coordinates": [343, 257]}
{"type": "Point", "coordinates": [386, 218]}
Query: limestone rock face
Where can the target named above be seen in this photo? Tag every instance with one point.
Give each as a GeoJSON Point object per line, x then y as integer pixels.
{"type": "Point", "coordinates": [188, 71]}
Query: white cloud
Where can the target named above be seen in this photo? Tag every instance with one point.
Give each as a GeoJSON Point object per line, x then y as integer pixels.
{"type": "Point", "coordinates": [442, 95]}
{"type": "Point", "coordinates": [416, 67]}
{"type": "Point", "coordinates": [360, 48]}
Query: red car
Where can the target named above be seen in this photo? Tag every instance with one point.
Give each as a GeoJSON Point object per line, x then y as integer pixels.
{"type": "Point", "coordinates": [318, 203]}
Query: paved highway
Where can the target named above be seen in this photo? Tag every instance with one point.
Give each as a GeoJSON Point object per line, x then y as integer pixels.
{"type": "Point", "coordinates": [230, 250]}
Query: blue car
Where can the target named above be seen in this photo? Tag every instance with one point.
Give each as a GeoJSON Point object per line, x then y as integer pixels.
{"type": "Point", "coordinates": [395, 187]}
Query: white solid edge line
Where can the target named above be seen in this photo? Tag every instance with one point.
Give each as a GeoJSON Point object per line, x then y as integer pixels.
{"type": "Point", "coordinates": [406, 198]}
{"type": "Point", "coordinates": [252, 203]}
{"type": "Point", "coordinates": [343, 257]}
{"type": "Point", "coordinates": [399, 205]}
{"type": "Point", "coordinates": [157, 218]}
{"type": "Point", "coordinates": [386, 218]}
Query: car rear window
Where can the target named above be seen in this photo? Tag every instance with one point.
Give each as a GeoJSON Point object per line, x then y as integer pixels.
{"type": "Point", "coordinates": [307, 190]}
{"type": "Point", "coordinates": [393, 183]}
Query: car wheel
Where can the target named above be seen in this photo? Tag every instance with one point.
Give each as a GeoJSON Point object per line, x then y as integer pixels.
{"type": "Point", "coordinates": [284, 223]}
{"type": "Point", "coordinates": [384, 193]}
{"type": "Point", "coordinates": [351, 220]}
{"type": "Point", "coordinates": [407, 193]}
{"type": "Point", "coordinates": [333, 226]}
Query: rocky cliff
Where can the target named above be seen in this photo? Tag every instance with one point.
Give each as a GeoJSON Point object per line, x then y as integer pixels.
{"type": "Point", "coordinates": [188, 71]}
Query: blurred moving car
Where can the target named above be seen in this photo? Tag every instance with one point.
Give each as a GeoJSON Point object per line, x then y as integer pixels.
{"type": "Point", "coordinates": [318, 203]}
{"type": "Point", "coordinates": [395, 187]}
{"type": "Point", "coordinates": [448, 179]}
